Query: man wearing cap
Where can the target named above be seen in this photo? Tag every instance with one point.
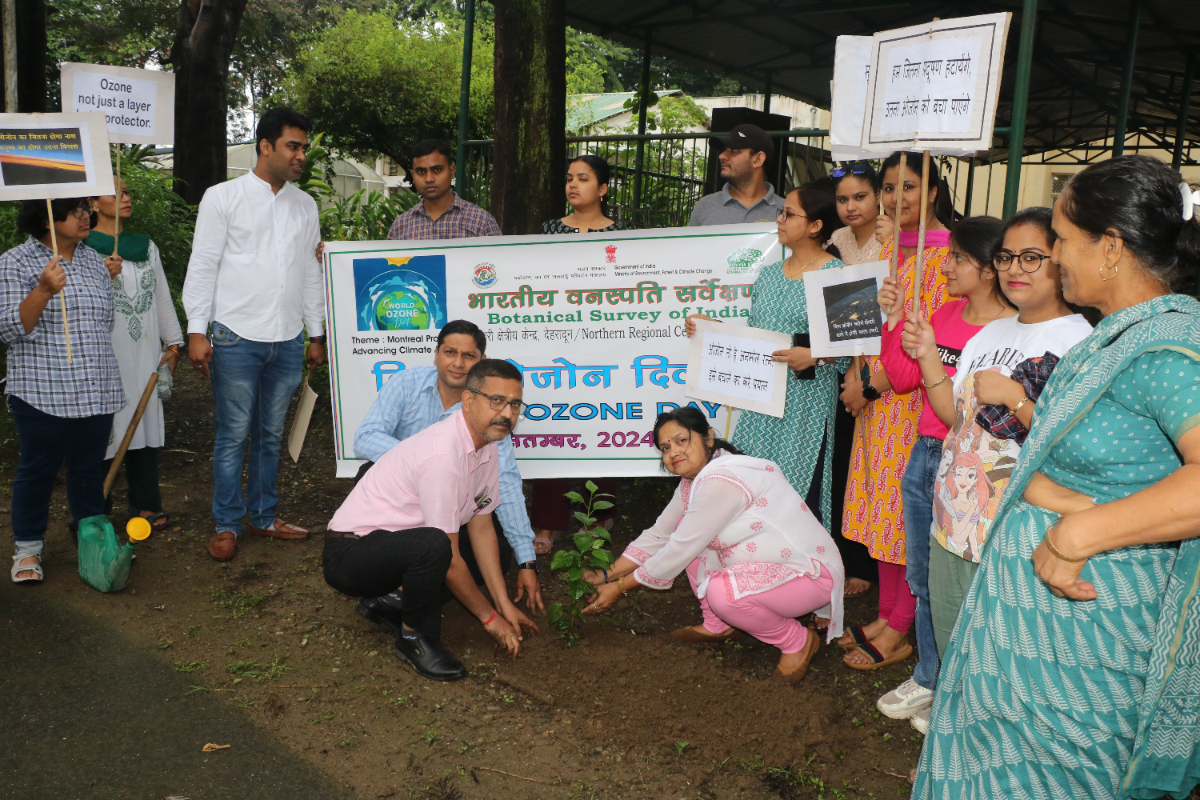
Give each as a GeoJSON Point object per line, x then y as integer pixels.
{"type": "Point", "coordinates": [746, 195]}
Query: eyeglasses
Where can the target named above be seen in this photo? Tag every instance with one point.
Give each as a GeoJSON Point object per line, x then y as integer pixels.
{"type": "Point", "coordinates": [787, 214]}
{"type": "Point", "coordinates": [857, 168]}
{"type": "Point", "coordinates": [497, 402]}
{"type": "Point", "coordinates": [1030, 260]}
{"type": "Point", "coordinates": [79, 212]}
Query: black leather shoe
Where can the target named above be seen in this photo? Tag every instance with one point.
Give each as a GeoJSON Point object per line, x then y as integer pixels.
{"type": "Point", "coordinates": [385, 610]}
{"type": "Point", "coordinates": [428, 657]}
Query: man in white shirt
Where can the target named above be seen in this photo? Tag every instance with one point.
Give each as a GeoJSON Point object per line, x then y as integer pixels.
{"type": "Point", "coordinates": [254, 286]}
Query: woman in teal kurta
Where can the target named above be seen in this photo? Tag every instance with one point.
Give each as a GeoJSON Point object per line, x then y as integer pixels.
{"type": "Point", "coordinates": [1074, 668]}
{"type": "Point", "coordinates": [797, 440]}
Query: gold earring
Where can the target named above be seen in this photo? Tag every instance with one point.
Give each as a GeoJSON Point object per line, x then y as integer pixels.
{"type": "Point", "coordinates": [1114, 271]}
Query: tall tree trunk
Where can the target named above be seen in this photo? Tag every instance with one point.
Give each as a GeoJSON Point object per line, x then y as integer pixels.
{"type": "Point", "coordinates": [200, 58]}
{"type": "Point", "coordinates": [531, 113]}
{"type": "Point", "coordinates": [31, 57]}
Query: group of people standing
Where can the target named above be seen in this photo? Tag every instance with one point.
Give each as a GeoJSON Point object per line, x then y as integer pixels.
{"type": "Point", "coordinates": [1021, 486]}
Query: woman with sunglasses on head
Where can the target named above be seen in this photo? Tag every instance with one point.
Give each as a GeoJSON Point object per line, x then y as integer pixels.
{"type": "Point", "coordinates": [1073, 658]}
{"type": "Point", "coordinates": [887, 420]}
{"type": "Point", "coordinates": [587, 194]}
{"type": "Point", "coordinates": [145, 325]}
{"type": "Point", "coordinates": [755, 555]}
{"type": "Point", "coordinates": [61, 392]}
{"type": "Point", "coordinates": [971, 278]}
{"type": "Point", "coordinates": [856, 189]}
{"type": "Point", "coordinates": [800, 441]}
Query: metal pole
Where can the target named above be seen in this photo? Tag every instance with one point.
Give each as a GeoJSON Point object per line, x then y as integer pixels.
{"type": "Point", "coordinates": [970, 187]}
{"type": "Point", "coordinates": [1135, 17]}
{"type": "Point", "coordinates": [10, 56]}
{"type": "Point", "coordinates": [767, 95]}
{"type": "Point", "coordinates": [462, 174]}
{"type": "Point", "coordinates": [1016, 136]}
{"type": "Point", "coordinates": [644, 98]}
{"type": "Point", "coordinates": [1185, 107]}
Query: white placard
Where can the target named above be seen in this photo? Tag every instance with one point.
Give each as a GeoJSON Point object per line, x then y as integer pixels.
{"type": "Point", "coordinates": [138, 104]}
{"type": "Point", "coordinates": [733, 366]}
{"type": "Point", "coordinates": [595, 322]}
{"type": "Point", "coordinates": [844, 318]}
{"type": "Point", "coordinates": [53, 156]}
{"type": "Point", "coordinates": [935, 86]}
{"type": "Point", "coordinates": [851, 79]}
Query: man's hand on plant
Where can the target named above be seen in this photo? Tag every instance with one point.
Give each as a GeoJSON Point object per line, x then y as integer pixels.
{"type": "Point", "coordinates": [528, 587]}
{"type": "Point", "coordinates": [517, 619]}
{"type": "Point", "coordinates": [504, 633]}
{"type": "Point", "coordinates": [605, 598]}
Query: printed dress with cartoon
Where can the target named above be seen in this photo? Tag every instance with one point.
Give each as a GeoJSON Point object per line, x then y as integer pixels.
{"type": "Point", "coordinates": [741, 521]}
{"type": "Point", "coordinates": [976, 465]}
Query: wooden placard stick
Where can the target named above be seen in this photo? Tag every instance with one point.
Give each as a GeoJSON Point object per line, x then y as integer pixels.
{"type": "Point", "coordinates": [117, 191]}
{"type": "Point", "coordinates": [921, 233]}
{"type": "Point", "coordinates": [899, 202]}
{"type": "Point", "coordinates": [119, 456]}
{"type": "Point", "coordinates": [61, 295]}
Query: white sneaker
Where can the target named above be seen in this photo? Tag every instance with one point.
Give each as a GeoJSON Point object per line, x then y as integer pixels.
{"type": "Point", "coordinates": [905, 700]}
{"type": "Point", "coordinates": [920, 720]}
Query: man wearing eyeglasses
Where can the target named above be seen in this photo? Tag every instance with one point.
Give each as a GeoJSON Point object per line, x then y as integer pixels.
{"type": "Point", "coordinates": [441, 214]}
{"type": "Point", "coordinates": [253, 287]}
{"type": "Point", "coordinates": [410, 402]}
{"type": "Point", "coordinates": [400, 526]}
{"type": "Point", "coordinates": [746, 196]}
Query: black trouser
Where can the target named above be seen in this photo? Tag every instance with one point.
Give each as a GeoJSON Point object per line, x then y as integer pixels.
{"type": "Point", "coordinates": [382, 561]}
{"type": "Point", "coordinates": [856, 558]}
{"type": "Point", "coordinates": [141, 474]}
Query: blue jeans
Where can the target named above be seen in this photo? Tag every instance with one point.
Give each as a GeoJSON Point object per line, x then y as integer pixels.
{"type": "Point", "coordinates": [916, 489]}
{"type": "Point", "coordinates": [45, 442]}
{"type": "Point", "coordinates": [252, 384]}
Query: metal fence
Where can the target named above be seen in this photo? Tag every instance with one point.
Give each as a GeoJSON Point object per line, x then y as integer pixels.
{"type": "Point", "coordinates": [656, 179]}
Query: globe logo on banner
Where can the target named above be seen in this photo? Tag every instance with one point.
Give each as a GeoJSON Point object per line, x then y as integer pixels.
{"type": "Point", "coordinates": [400, 294]}
{"type": "Point", "coordinates": [485, 275]}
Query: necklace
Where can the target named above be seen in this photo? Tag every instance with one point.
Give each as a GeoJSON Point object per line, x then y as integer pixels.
{"type": "Point", "coordinates": [803, 269]}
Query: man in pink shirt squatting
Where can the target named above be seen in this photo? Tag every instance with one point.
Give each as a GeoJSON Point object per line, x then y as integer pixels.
{"type": "Point", "coordinates": [400, 524]}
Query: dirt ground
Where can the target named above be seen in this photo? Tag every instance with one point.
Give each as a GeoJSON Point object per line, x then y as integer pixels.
{"type": "Point", "coordinates": [627, 714]}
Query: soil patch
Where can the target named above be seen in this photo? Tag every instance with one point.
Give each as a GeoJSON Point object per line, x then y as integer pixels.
{"type": "Point", "coordinates": [628, 713]}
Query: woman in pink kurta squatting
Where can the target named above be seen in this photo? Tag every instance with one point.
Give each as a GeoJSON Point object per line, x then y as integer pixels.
{"type": "Point", "coordinates": [755, 555]}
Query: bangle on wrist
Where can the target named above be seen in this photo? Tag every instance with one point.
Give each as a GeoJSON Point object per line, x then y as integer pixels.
{"type": "Point", "coordinates": [1017, 407]}
{"type": "Point", "coordinates": [492, 618]}
{"type": "Point", "coordinates": [621, 586]}
{"type": "Point", "coordinates": [1054, 551]}
{"type": "Point", "coordinates": [936, 383]}
{"type": "Point", "coordinates": [602, 569]}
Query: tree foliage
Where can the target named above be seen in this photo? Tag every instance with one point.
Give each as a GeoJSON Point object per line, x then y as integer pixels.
{"type": "Point", "coordinates": [377, 86]}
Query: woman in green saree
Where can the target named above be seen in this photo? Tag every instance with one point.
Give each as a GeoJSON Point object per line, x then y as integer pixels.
{"type": "Point", "coordinates": [1074, 668]}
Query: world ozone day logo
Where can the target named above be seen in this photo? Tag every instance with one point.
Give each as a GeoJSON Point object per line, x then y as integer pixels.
{"type": "Point", "coordinates": [485, 275]}
{"type": "Point", "coordinates": [400, 294]}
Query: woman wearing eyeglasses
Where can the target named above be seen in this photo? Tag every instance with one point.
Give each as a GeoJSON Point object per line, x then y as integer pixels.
{"type": "Point", "coordinates": [968, 491]}
{"type": "Point", "coordinates": [61, 392]}
{"type": "Point", "coordinates": [145, 325]}
{"type": "Point", "coordinates": [801, 440]}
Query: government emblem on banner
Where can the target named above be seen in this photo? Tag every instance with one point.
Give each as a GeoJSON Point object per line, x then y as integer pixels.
{"type": "Point", "coordinates": [740, 261]}
{"type": "Point", "coordinates": [485, 275]}
{"type": "Point", "coordinates": [610, 254]}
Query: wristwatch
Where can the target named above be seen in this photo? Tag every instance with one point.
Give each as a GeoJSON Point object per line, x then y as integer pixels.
{"type": "Point", "coordinates": [529, 565]}
{"type": "Point", "coordinates": [317, 340]}
{"type": "Point", "coordinates": [869, 392]}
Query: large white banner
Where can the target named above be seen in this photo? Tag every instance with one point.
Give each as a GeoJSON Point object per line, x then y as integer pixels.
{"type": "Point", "coordinates": [594, 321]}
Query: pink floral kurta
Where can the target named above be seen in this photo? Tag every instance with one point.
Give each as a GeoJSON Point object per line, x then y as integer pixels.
{"type": "Point", "coordinates": [741, 516]}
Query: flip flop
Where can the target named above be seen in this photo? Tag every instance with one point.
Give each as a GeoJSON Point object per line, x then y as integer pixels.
{"type": "Point", "coordinates": [856, 633]}
{"type": "Point", "coordinates": [546, 545]}
{"type": "Point", "coordinates": [877, 658]}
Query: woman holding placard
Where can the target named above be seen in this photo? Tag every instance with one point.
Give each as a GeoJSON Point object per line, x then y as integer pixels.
{"type": "Point", "coordinates": [799, 441]}
{"type": "Point", "coordinates": [887, 420]}
{"type": "Point", "coordinates": [973, 280]}
{"type": "Point", "coordinates": [1071, 671]}
{"type": "Point", "coordinates": [145, 324]}
{"type": "Point", "coordinates": [61, 393]}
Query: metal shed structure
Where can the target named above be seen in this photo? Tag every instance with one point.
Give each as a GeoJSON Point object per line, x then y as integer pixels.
{"type": "Point", "coordinates": [1090, 75]}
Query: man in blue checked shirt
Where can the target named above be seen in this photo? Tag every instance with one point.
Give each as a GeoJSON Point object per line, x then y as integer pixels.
{"type": "Point", "coordinates": [410, 402]}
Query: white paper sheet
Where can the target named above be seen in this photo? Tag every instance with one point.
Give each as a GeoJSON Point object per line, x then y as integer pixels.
{"type": "Point", "coordinates": [733, 365]}
{"type": "Point", "coordinates": [844, 318]}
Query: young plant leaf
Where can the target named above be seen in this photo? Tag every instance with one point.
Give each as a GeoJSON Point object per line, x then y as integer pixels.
{"type": "Point", "coordinates": [563, 558]}
{"type": "Point", "coordinates": [554, 612]}
{"type": "Point", "coordinates": [574, 497]}
{"type": "Point", "coordinates": [600, 505]}
{"type": "Point", "coordinates": [580, 589]}
{"type": "Point", "coordinates": [583, 541]}
{"type": "Point", "coordinates": [602, 558]}
{"type": "Point", "coordinates": [591, 487]}
{"type": "Point", "coordinates": [584, 519]}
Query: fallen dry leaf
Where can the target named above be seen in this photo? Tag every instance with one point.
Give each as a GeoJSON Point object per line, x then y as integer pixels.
{"type": "Point", "coordinates": [210, 747]}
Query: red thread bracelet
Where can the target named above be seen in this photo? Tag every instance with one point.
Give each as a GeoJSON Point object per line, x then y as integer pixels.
{"type": "Point", "coordinates": [491, 618]}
